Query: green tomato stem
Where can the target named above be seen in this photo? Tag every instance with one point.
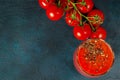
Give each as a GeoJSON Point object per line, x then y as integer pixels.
{"type": "Point", "coordinates": [59, 3]}
{"type": "Point", "coordinates": [68, 0]}
{"type": "Point", "coordinates": [93, 29]}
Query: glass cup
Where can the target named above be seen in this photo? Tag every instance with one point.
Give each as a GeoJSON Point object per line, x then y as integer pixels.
{"type": "Point", "coordinates": [93, 58]}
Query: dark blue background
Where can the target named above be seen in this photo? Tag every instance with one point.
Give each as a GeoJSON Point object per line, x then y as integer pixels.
{"type": "Point", "coordinates": [34, 48]}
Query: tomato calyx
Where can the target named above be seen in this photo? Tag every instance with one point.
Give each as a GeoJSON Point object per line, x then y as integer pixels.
{"type": "Point", "coordinates": [97, 20]}
{"type": "Point", "coordinates": [96, 17]}
{"type": "Point", "coordinates": [83, 3]}
{"type": "Point", "coordinates": [85, 6]}
{"type": "Point", "coordinates": [72, 18]}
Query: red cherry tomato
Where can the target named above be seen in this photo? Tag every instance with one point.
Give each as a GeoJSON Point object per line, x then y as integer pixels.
{"type": "Point", "coordinates": [82, 32]}
{"type": "Point", "coordinates": [99, 33]}
{"type": "Point", "coordinates": [97, 17]}
{"type": "Point", "coordinates": [66, 4]}
{"type": "Point", "coordinates": [85, 5]}
{"type": "Point", "coordinates": [45, 3]}
{"type": "Point", "coordinates": [72, 18]}
{"type": "Point", "coordinates": [54, 13]}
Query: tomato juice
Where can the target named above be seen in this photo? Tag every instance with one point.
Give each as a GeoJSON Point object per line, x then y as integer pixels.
{"type": "Point", "coordinates": [93, 58]}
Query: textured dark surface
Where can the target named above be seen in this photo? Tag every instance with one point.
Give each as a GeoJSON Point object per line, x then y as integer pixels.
{"type": "Point", "coordinates": [34, 48]}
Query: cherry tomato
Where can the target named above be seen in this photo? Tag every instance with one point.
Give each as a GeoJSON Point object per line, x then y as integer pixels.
{"type": "Point", "coordinates": [72, 18]}
{"type": "Point", "coordinates": [54, 13]}
{"type": "Point", "coordinates": [82, 32]}
{"type": "Point", "coordinates": [99, 33]}
{"type": "Point", "coordinates": [66, 4]}
{"type": "Point", "coordinates": [85, 5]}
{"type": "Point", "coordinates": [45, 3]}
{"type": "Point", "coordinates": [97, 17]}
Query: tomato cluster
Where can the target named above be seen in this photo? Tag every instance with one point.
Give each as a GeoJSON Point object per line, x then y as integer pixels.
{"type": "Point", "coordinates": [82, 15]}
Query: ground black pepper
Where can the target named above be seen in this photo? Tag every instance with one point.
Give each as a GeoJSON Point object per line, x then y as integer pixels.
{"type": "Point", "coordinates": [92, 50]}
